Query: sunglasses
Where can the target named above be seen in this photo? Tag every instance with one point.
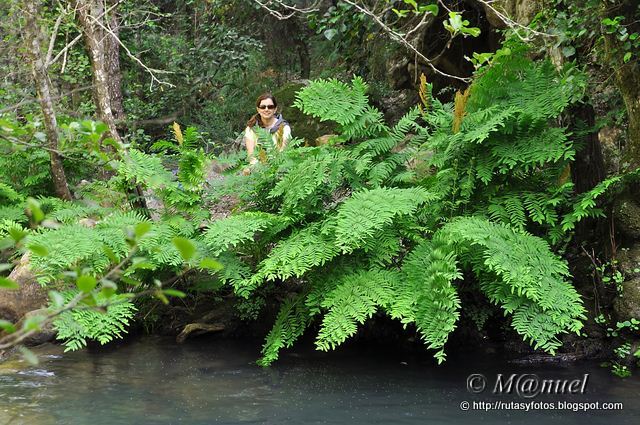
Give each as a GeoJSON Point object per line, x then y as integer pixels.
{"type": "Point", "coordinates": [267, 107]}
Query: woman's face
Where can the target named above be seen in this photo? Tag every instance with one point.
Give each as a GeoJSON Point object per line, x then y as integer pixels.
{"type": "Point", "coordinates": [266, 109]}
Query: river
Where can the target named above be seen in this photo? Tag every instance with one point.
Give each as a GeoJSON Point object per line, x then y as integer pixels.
{"type": "Point", "coordinates": [151, 380]}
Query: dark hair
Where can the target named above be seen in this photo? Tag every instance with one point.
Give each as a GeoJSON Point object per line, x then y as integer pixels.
{"type": "Point", "coordinates": [256, 119]}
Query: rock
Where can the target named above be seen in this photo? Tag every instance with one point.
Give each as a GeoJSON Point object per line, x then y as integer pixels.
{"type": "Point", "coordinates": [626, 211]}
{"type": "Point", "coordinates": [521, 11]}
{"type": "Point", "coordinates": [627, 304]}
{"type": "Point", "coordinates": [29, 297]}
{"type": "Point", "coordinates": [302, 126]}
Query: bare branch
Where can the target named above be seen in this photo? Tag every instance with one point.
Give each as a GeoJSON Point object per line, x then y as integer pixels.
{"type": "Point", "coordinates": [64, 50]}
{"type": "Point", "coordinates": [514, 25]}
{"type": "Point", "coordinates": [151, 71]}
{"type": "Point", "coordinates": [52, 41]}
{"type": "Point", "coordinates": [396, 36]}
{"type": "Point", "coordinates": [291, 10]}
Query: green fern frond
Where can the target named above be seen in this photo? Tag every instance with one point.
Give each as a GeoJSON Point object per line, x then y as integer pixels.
{"type": "Point", "coordinates": [355, 299]}
{"type": "Point", "coordinates": [229, 232]}
{"type": "Point", "coordinates": [367, 212]}
{"type": "Point", "coordinates": [293, 318]}
{"type": "Point", "coordinates": [77, 326]}
{"type": "Point", "coordinates": [519, 272]}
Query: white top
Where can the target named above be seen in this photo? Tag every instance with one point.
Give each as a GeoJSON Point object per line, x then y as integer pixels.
{"type": "Point", "coordinates": [286, 135]}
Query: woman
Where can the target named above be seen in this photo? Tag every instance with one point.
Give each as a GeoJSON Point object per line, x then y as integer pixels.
{"type": "Point", "coordinates": [267, 118]}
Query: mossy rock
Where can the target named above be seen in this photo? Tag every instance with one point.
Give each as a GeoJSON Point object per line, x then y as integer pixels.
{"type": "Point", "coordinates": [302, 126]}
{"type": "Point", "coordinates": [627, 304]}
{"type": "Point", "coordinates": [627, 214]}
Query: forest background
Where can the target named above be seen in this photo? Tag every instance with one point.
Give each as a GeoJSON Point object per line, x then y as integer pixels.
{"type": "Point", "coordinates": [463, 168]}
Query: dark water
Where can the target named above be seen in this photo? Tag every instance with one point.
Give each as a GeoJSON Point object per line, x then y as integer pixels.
{"type": "Point", "coordinates": [154, 381]}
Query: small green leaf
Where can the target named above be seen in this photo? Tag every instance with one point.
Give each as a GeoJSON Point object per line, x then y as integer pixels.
{"type": "Point", "coordinates": [110, 254]}
{"type": "Point", "coordinates": [28, 355]}
{"type": "Point", "coordinates": [626, 57]}
{"type": "Point", "coordinates": [107, 292]}
{"type": "Point", "coordinates": [39, 250]}
{"type": "Point", "coordinates": [210, 264]}
{"type": "Point", "coordinates": [17, 234]}
{"type": "Point", "coordinates": [57, 300]}
{"type": "Point", "coordinates": [86, 283]}
{"type": "Point", "coordinates": [6, 243]}
{"type": "Point", "coordinates": [5, 266]}
{"type": "Point", "coordinates": [142, 229]}
{"type": "Point", "coordinates": [185, 246]}
{"type": "Point", "coordinates": [330, 33]}
{"type": "Point", "coordinates": [174, 293]}
{"type": "Point", "coordinates": [568, 51]}
{"type": "Point", "coordinates": [32, 323]}
{"type": "Point", "coordinates": [36, 211]}
{"type": "Point", "coordinates": [8, 283]}
{"type": "Point", "coordinates": [7, 326]}
{"type": "Point", "coordinates": [162, 297]}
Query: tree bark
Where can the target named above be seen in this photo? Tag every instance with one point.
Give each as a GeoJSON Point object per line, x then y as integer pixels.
{"type": "Point", "coordinates": [112, 63]}
{"type": "Point", "coordinates": [91, 18]}
{"type": "Point", "coordinates": [43, 86]}
{"type": "Point", "coordinates": [627, 75]}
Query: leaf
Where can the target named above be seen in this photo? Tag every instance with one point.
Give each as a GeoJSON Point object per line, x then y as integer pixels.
{"type": "Point", "coordinates": [36, 212]}
{"type": "Point", "coordinates": [210, 264]}
{"type": "Point", "coordinates": [626, 57]}
{"type": "Point", "coordinates": [142, 229]}
{"type": "Point", "coordinates": [568, 51]}
{"type": "Point", "coordinates": [185, 246]}
{"type": "Point", "coordinates": [57, 299]}
{"type": "Point", "coordinates": [7, 326]}
{"type": "Point", "coordinates": [174, 293]}
{"type": "Point", "coordinates": [32, 323]}
{"type": "Point", "coordinates": [330, 33]}
{"type": "Point", "coordinates": [162, 297]}
{"type": "Point", "coordinates": [8, 283]}
{"type": "Point", "coordinates": [29, 356]}
{"type": "Point", "coordinates": [17, 234]}
{"type": "Point", "coordinates": [178, 132]}
{"type": "Point", "coordinates": [40, 250]}
{"type": "Point", "coordinates": [6, 243]}
{"type": "Point", "coordinates": [5, 267]}
{"type": "Point", "coordinates": [86, 283]}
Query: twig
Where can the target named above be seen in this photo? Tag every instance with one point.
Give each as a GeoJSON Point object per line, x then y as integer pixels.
{"type": "Point", "coordinates": [150, 71]}
{"type": "Point", "coordinates": [402, 40]}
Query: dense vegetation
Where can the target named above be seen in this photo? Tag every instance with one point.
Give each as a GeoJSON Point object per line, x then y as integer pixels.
{"type": "Point", "coordinates": [467, 201]}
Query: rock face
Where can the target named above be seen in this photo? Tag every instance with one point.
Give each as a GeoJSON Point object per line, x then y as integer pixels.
{"type": "Point", "coordinates": [627, 305]}
{"type": "Point", "coordinates": [627, 215]}
{"type": "Point", "coordinates": [30, 296]}
{"type": "Point", "coordinates": [302, 126]}
{"type": "Point", "coordinates": [521, 11]}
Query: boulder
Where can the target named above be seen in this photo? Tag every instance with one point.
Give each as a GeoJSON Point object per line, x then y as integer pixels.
{"type": "Point", "coordinates": [627, 304]}
{"type": "Point", "coordinates": [28, 297]}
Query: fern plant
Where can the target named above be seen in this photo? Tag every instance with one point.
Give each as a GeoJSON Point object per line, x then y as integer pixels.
{"type": "Point", "coordinates": [388, 219]}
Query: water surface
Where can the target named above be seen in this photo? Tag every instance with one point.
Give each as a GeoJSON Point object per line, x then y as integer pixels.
{"type": "Point", "coordinates": [154, 381]}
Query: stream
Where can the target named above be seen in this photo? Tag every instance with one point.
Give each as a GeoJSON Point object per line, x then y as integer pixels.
{"type": "Point", "coordinates": [152, 380]}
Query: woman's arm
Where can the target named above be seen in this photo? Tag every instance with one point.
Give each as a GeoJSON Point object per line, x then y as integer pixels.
{"type": "Point", "coordinates": [286, 136]}
{"type": "Point", "coordinates": [250, 143]}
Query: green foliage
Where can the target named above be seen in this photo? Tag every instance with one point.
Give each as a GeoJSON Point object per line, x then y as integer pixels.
{"type": "Point", "coordinates": [77, 326]}
{"type": "Point", "coordinates": [368, 231]}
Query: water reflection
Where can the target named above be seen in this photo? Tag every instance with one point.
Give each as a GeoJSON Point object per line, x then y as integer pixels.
{"type": "Point", "coordinates": [154, 381]}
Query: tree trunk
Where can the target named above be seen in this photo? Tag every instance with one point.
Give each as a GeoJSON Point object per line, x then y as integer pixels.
{"type": "Point", "coordinates": [43, 86]}
{"type": "Point", "coordinates": [103, 47]}
{"type": "Point", "coordinates": [627, 75]}
{"type": "Point", "coordinates": [303, 54]}
{"type": "Point", "coordinates": [112, 63]}
{"type": "Point", "coordinates": [93, 23]}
